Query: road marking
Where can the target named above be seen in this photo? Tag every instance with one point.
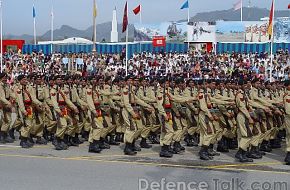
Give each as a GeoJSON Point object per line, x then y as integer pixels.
{"type": "Point", "coordinates": [144, 163]}
{"type": "Point", "coordinates": [113, 155]}
{"type": "Point", "coordinates": [9, 146]}
{"type": "Point", "coordinates": [241, 165]}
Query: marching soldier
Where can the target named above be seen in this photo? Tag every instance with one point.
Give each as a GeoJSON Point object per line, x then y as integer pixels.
{"type": "Point", "coordinates": [286, 101]}
{"type": "Point", "coordinates": [5, 106]}
{"type": "Point", "coordinates": [26, 103]}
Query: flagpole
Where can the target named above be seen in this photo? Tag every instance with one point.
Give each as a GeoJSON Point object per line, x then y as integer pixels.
{"type": "Point", "coordinates": [272, 41]}
{"type": "Point", "coordinates": [187, 24]}
{"type": "Point", "coordinates": [52, 19]}
{"type": "Point", "coordinates": [140, 24]}
{"type": "Point", "coordinates": [34, 26]}
{"type": "Point", "coordinates": [1, 20]}
{"type": "Point", "coordinates": [94, 25]}
{"type": "Point", "coordinates": [241, 10]}
{"type": "Point", "coordinates": [127, 34]}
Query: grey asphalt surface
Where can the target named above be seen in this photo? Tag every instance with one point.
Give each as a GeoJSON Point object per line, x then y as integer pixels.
{"type": "Point", "coordinates": [44, 168]}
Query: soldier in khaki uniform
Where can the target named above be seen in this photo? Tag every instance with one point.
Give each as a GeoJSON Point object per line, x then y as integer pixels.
{"type": "Point", "coordinates": [146, 115]}
{"type": "Point", "coordinates": [5, 106]}
{"type": "Point", "coordinates": [61, 106]}
{"type": "Point", "coordinates": [26, 103]}
{"type": "Point", "coordinates": [93, 100]}
{"type": "Point", "coordinates": [244, 120]}
{"type": "Point", "coordinates": [286, 101]}
{"type": "Point", "coordinates": [50, 118]}
{"type": "Point", "coordinates": [39, 93]}
{"type": "Point", "coordinates": [132, 117]}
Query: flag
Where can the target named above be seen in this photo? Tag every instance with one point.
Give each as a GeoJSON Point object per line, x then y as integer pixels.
{"type": "Point", "coordinates": [159, 41]}
{"type": "Point", "coordinates": [270, 26]}
{"type": "Point", "coordinates": [33, 12]}
{"type": "Point", "coordinates": [185, 5]}
{"type": "Point", "coordinates": [238, 5]}
{"type": "Point", "coordinates": [125, 18]}
{"type": "Point", "coordinates": [95, 9]}
{"type": "Point", "coordinates": [137, 10]}
{"type": "Point", "coordinates": [289, 6]}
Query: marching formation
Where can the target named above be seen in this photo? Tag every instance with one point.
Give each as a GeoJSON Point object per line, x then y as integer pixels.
{"type": "Point", "coordinates": [248, 115]}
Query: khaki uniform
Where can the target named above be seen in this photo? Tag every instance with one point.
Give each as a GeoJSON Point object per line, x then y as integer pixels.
{"type": "Point", "coordinates": [5, 108]}
{"type": "Point", "coordinates": [26, 102]}
{"type": "Point", "coordinates": [286, 101]}
{"type": "Point", "coordinates": [145, 114]}
{"type": "Point", "coordinates": [133, 126]}
{"type": "Point", "coordinates": [93, 100]}
{"type": "Point", "coordinates": [62, 106]}
{"type": "Point", "coordinates": [244, 131]}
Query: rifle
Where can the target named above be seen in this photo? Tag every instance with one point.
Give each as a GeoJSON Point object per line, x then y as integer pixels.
{"type": "Point", "coordinates": [247, 124]}
{"type": "Point", "coordinates": [130, 116]}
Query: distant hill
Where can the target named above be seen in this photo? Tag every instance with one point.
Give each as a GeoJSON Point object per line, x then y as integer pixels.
{"type": "Point", "coordinates": [104, 29]}
{"type": "Point", "coordinates": [249, 14]}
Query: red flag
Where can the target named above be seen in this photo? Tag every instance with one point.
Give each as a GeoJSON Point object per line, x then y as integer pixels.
{"type": "Point", "coordinates": [125, 18]}
{"type": "Point", "coordinates": [137, 10]}
{"type": "Point", "coordinates": [159, 41]}
{"type": "Point", "coordinates": [270, 26]}
{"type": "Point", "coordinates": [289, 6]}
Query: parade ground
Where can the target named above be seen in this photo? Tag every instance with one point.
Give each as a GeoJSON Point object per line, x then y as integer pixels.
{"type": "Point", "coordinates": [44, 168]}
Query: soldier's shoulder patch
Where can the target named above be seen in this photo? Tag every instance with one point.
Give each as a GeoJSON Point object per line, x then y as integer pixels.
{"type": "Point", "coordinates": [53, 94]}
{"type": "Point", "coordinates": [159, 98]}
{"type": "Point", "coordinates": [125, 93]}
{"type": "Point", "coordinates": [288, 100]}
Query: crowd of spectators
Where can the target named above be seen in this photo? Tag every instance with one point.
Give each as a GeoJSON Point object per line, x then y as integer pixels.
{"type": "Point", "coordinates": [196, 64]}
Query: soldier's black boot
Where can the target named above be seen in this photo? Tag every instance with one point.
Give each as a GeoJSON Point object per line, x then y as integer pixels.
{"type": "Point", "coordinates": [265, 147]}
{"type": "Point", "coordinates": [164, 152]}
{"type": "Point", "coordinates": [103, 144]}
{"type": "Point", "coordinates": [240, 155]}
{"type": "Point", "coordinates": [64, 144]}
{"type": "Point", "coordinates": [30, 141]}
{"type": "Point", "coordinates": [203, 154]}
{"type": "Point", "coordinates": [66, 140]}
{"type": "Point", "coordinates": [253, 153]}
{"type": "Point", "coordinates": [144, 144]}
{"type": "Point", "coordinates": [135, 147]}
{"type": "Point", "coordinates": [287, 159]}
{"type": "Point", "coordinates": [180, 146]}
{"type": "Point", "coordinates": [11, 133]}
{"type": "Point", "coordinates": [222, 146]}
{"type": "Point", "coordinates": [275, 143]}
{"type": "Point", "coordinates": [72, 141]}
{"type": "Point", "coordinates": [245, 157]}
{"type": "Point", "coordinates": [112, 140]}
{"type": "Point", "coordinates": [118, 137]}
{"type": "Point", "coordinates": [77, 139]}
{"type": "Point", "coordinates": [57, 144]}
{"type": "Point", "coordinates": [23, 143]}
{"type": "Point", "coordinates": [2, 140]}
{"type": "Point", "coordinates": [40, 140]}
{"type": "Point", "coordinates": [128, 150]}
{"type": "Point", "coordinates": [211, 151]}
{"type": "Point", "coordinates": [188, 140]}
{"type": "Point", "coordinates": [94, 147]}
{"type": "Point", "coordinates": [176, 148]}
{"type": "Point", "coordinates": [85, 135]}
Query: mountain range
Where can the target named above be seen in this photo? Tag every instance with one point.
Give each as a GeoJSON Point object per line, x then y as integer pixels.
{"type": "Point", "coordinates": [103, 30]}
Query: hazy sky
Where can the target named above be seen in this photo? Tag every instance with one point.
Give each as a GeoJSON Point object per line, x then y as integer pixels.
{"type": "Point", "coordinates": [17, 14]}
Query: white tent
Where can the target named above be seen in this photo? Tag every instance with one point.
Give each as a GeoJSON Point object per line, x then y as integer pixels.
{"type": "Point", "coordinates": [74, 40]}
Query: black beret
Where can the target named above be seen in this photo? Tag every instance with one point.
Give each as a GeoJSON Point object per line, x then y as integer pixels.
{"type": "Point", "coordinates": [2, 75]}
{"type": "Point", "coordinates": [287, 83]}
{"type": "Point", "coordinates": [107, 79]}
{"type": "Point", "coordinates": [20, 77]}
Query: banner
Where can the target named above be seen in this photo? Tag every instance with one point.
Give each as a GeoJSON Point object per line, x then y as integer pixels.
{"type": "Point", "coordinates": [159, 41]}
{"type": "Point", "coordinates": [201, 32]}
{"type": "Point", "coordinates": [173, 31]}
